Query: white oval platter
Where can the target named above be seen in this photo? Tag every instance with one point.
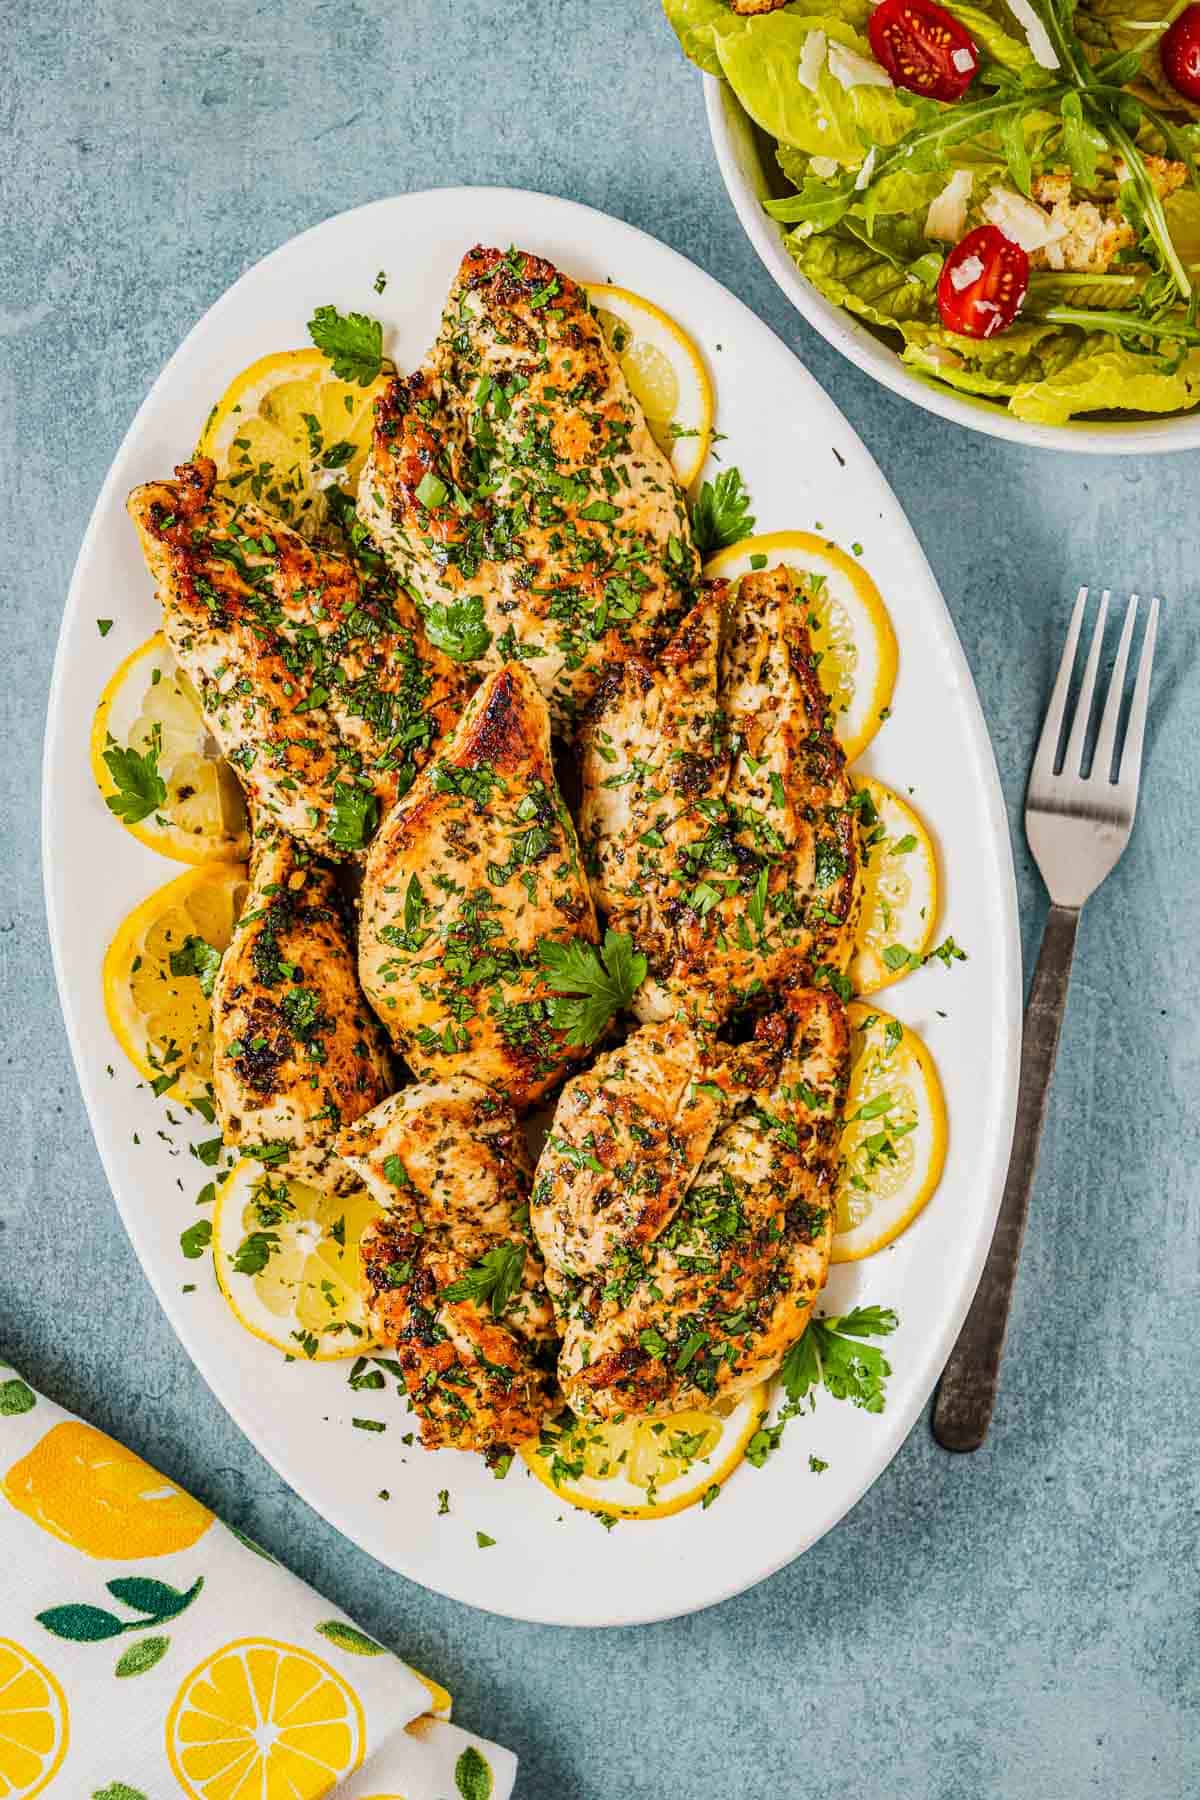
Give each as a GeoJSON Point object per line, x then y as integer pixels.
{"type": "Point", "coordinates": [805, 468]}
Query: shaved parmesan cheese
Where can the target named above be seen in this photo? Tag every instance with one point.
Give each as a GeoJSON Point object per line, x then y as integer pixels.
{"type": "Point", "coordinates": [812, 60]}
{"type": "Point", "coordinates": [965, 272]}
{"type": "Point", "coordinates": [963, 59]}
{"type": "Point", "coordinates": [947, 215]}
{"type": "Point", "coordinates": [1036, 35]}
{"type": "Point", "coordinates": [1021, 220]}
{"type": "Point", "coordinates": [824, 166]}
{"type": "Point", "coordinates": [864, 174]}
{"type": "Point", "coordinates": [852, 70]}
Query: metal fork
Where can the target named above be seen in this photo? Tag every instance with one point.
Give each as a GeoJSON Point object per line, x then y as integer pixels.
{"type": "Point", "coordinates": [1078, 826]}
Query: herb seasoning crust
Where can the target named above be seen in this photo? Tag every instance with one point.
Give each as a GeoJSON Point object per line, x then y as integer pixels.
{"type": "Point", "coordinates": [474, 870]}
{"type": "Point", "coordinates": [718, 821]}
{"type": "Point", "coordinates": [452, 1277]}
{"type": "Point", "coordinates": [296, 1051]}
{"type": "Point", "coordinates": [683, 1203]}
{"type": "Point", "coordinates": [315, 676]}
{"type": "Point", "coordinates": [513, 481]}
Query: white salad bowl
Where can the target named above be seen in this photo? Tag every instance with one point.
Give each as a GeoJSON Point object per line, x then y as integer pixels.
{"type": "Point", "coordinates": [747, 163]}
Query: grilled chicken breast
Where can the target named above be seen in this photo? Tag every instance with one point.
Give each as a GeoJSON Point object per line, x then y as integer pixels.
{"type": "Point", "coordinates": [717, 818]}
{"type": "Point", "coordinates": [316, 678]}
{"type": "Point", "coordinates": [475, 868]}
{"type": "Point", "coordinates": [452, 1277]}
{"type": "Point", "coordinates": [683, 1205]}
{"type": "Point", "coordinates": [514, 483]}
{"type": "Point", "coordinates": [297, 1053]}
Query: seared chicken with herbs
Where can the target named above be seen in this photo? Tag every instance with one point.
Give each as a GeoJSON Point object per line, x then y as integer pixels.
{"type": "Point", "coordinates": [683, 1204]}
{"type": "Point", "coordinates": [471, 875]}
{"type": "Point", "coordinates": [297, 1053]}
{"type": "Point", "coordinates": [453, 1280]}
{"type": "Point", "coordinates": [514, 484]}
{"type": "Point", "coordinates": [314, 673]}
{"type": "Point", "coordinates": [718, 821]}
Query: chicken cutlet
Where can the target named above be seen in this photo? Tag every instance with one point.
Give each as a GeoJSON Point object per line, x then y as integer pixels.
{"type": "Point", "coordinates": [718, 822]}
{"type": "Point", "coordinates": [297, 1051]}
{"type": "Point", "coordinates": [313, 670]}
{"type": "Point", "coordinates": [683, 1202]}
{"type": "Point", "coordinates": [470, 874]}
{"type": "Point", "coordinates": [514, 483]}
{"type": "Point", "coordinates": [452, 1277]}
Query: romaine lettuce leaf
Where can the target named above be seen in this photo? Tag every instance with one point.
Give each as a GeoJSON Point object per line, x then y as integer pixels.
{"type": "Point", "coordinates": [989, 28]}
{"type": "Point", "coordinates": [760, 57]}
{"type": "Point", "coordinates": [695, 23]}
{"type": "Point", "coordinates": [862, 280]}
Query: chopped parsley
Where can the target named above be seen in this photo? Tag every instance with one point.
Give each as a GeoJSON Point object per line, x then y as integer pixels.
{"type": "Point", "coordinates": [591, 984]}
{"type": "Point", "coordinates": [352, 342]}
{"type": "Point", "coordinates": [495, 1278]}
{"type": "Point", "coordinates": [141, 790]}
{"type": "Point", "coordinates": [721, 513]}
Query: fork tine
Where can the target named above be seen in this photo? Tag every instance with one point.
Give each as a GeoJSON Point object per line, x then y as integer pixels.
{"type": "Point", "coordinates": [1047, 750]}
{"type": "Point", "coordinates": [1073, 755]}
{"type": "Point", "coordinates": [1129, 773]}
{"type": "Point", "coordinates": [1106, 742]}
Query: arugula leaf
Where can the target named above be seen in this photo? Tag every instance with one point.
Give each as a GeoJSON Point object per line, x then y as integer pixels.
{"type": "Point", "coordinates": [832, 1354]}
{"type": "Point", "coordinates": [496, 1277]}
{"type": "Point", "coordinates": [199, 958]}
{"type": "Point", "coordinates": [352, 342]}
{"type": "Point", "coordinates": [355, 815]}
{"type": "Point", "coordinates": [141, 790]}
{"type": "Point", "coordinates": [591, 984]}
{"type": "Point", "coordinates": [457, 629]}
{"type": "Point", "coordinates": [721, 512]}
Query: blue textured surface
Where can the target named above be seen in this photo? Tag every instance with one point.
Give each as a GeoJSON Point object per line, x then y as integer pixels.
{"type": "Point", "coordinates": [1021, 1624]}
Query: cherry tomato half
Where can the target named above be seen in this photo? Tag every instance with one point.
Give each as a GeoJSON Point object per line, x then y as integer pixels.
{"type": "Point", "coordinates": [982, 284]}
{"type": "Point", "coordinates": [1180, 53]}
{"type": "Point", "coordinates": [923, 48]}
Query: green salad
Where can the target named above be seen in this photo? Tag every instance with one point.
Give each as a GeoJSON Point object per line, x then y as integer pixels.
{"type": "Point", "coordinates": [1007, 191]}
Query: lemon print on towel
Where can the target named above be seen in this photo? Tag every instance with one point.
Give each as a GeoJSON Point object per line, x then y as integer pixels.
{"type": "Point", "coordinates": [264, 1719]}
{"type": "Point", "coordinates": [94, 1494]}
{"type": "Point", "coordinates": [33, 1724]}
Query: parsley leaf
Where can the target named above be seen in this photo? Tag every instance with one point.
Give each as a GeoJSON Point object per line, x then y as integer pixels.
{"type": "Point", "coordinates": [355, 815]}
{"type": "Point", "coordinates": [458, 628]}
{"type": "Point", "coordinates": [592, 985]}
{"type": "Point", "coordinates": [199, 958]}
{"type": "Point", "coordinates": [496, 1277]}
{"type": "Point", "coordinates": [196, 1239]}
{"type": "Point", "coordinates": [141, 790]}
{"type": "Point", "coordinates": [353, 343]}
{"type": "Point", "coordinates": [831, 1354]}
{"type": "Point", "coordinates": [255, 1251]}
{"type": "Point", "coordinates": [721, 513]}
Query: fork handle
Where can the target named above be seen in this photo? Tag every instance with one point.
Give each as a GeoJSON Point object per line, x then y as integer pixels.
{"type": "Point", "coordinates": [967, 1393]}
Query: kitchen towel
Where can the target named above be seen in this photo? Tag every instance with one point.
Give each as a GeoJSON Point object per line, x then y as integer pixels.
{"type": "Point", "coordinates": [148, 1651]}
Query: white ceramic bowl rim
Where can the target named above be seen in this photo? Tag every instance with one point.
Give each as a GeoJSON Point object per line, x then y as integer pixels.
{"type": "Point", "coordinates": [736, 142]}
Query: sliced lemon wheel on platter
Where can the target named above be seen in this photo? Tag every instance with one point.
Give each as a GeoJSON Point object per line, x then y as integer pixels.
{"type": "Point", "coordinates": [33, 1723]}
{"type": "Point", "coordinates": [287, 1261]}
{"type": "Point", "coordinates": [264, 1720]}
{"type": "Point", "coordinates": [848, 623]}
{"type": "Point", "coordinates": [156, 971]}
{"type": "Point", "coordinates": [285, 431]}
{"type": "Point", "coordinates": [894, 1140]}
{"type": "Point", "coordinates": [899, 903]}
{"type": "Point", "coordinates": [158, 767]}
{"type": "Point", "coordinates": [666, 375]}
{"type": "Point", "coordinates": [646, 1468]}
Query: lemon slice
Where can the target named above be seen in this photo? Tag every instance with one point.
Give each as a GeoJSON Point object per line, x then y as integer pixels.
{"type": "Point", "coordinates": [287, 1261]}
{"type": "Point", "coordinates": [264, 1720]}
{"type": "Point", "coordinates": [894, 1140]}
{"type": "Point", "coordinates": [899, 905]}
{"type": "Point", "coordinates": [160, 1015]}
{"type": "Point", "coordinates": [848, 624]}
{"type": "Point", "coordinates": [34, 1729]}
{"type": "Point", "coordinates": [285, 431]}
{"type": "Point", "coordinates": [645, 1468]}
{"type": "Point", "coordinates": [666, 375]}
{"type": "Point", "coordinates": [151, 708]}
